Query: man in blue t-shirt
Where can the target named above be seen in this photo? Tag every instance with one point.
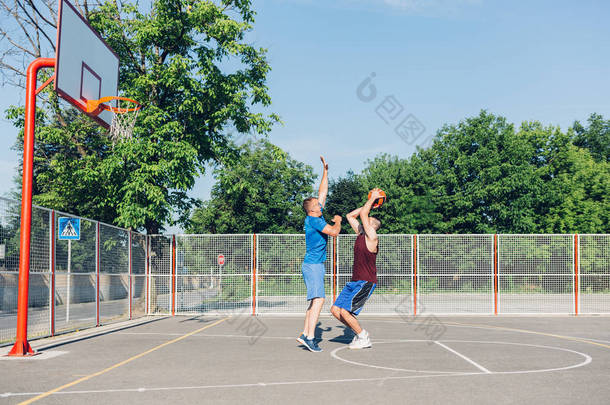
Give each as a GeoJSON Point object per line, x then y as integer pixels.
{"type": "Point", "coordinates": [316, 234]}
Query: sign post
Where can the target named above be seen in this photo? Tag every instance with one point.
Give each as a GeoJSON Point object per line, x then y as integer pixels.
{"type": "Point", "coordinates": [69, 229]}
{"type": "Point", "coordinates": [221, 262]}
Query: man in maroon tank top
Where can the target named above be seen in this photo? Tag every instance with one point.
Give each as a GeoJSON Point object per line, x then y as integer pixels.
{"type": "Point", "coordinates": [364, 272]}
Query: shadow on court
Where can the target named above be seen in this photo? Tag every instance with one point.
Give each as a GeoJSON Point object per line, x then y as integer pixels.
{"type": "Point", "coordinates": [199, 359]}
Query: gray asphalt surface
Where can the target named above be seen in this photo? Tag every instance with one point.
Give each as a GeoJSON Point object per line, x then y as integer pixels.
{"type": "Point", "coordinates": [429, 360]}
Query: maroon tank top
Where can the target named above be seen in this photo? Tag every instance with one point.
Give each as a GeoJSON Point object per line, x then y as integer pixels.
{"type": "Point", "coordinates": [364, 261]}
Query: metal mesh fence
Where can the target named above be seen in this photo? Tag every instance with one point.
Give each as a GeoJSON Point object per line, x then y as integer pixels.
{"type": "Point", "coordinates": [72, 303]}
{"type": "Point", "coordinates": [455, 274]}
{"type": "Point", "coordinates": [394, 290]}
{"type": "Point", "coordinates": [77, 309]}
{"type": "Point", "coordinates": [75, 277]}
{"type": "Point", "coordinates": [138, 275]}
{"type": "Point", "coordinates": [9, 267]}
{"type": "Point", "coordinates": [279, 286]}
{"type": "Point", "coordinates": [204, 286]}
{"type": "Point", "coordinates": [39, 286]}
{"type": "Point", "coordinates": [39, 316]}
{"type": "Point", "coordinates": [114, 274]}
{"type": "Point", "coordinates": [160, 282]}
{"type": "Point", "coordinates": [535, 274]}
{"type": "Point", "coordinates": [594, 273]}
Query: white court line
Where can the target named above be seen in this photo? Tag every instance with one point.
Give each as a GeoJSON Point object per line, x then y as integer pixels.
{"type": "Point", "coordinates": [206, 335]}
{"type": "Point", "coordinates": [259, 384]}
{"type": "Point", "coordinates": [474, 363]}
{"type": "Point", "coordinates": [586, 357]}
{"type": "Point", "coordinates": [368, 320]}
{"type": "Point", "coordinates": [494, 327]}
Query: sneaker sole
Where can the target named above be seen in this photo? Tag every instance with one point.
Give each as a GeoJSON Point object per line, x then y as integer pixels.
{"type": "Point", "coordinates": [301, 341]}
{"type": "Point", "coordinates": [358, 348]}
{"type": "Point", "coordinates": [312, 350]}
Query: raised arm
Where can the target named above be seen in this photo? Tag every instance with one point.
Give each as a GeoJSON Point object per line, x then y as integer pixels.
{"type": "Point", "coordinates": [333, 230]}
{"type": "Point", "coordinates": [353, 221]}
{"type": "Point", "coordinates": [323, 189]}
{"type": "Point", "coordinates": [369, 229]}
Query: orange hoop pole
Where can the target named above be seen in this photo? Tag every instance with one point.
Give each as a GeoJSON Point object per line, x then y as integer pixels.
{"type": "Point", "coordinates": [22, 346]}
{"type": "Point", "coordinates": [45, 84]}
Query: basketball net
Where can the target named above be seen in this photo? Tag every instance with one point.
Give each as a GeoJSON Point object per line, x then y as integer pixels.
{"type": "Point", "coordinates": [123, 121]}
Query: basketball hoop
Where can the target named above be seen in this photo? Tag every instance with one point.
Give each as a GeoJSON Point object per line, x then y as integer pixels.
{"type": "Point", "coordinates": [124, 115]}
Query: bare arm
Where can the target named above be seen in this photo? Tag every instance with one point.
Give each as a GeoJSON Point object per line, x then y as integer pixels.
{"type": "Point", "coordinates": [323, 189]}
{"type": "Point", "coordinates": [352, 219]}
{"type": "Point", "coordinates": [333, 230]}
{"type": "Point", "coordinates": [369, 229]}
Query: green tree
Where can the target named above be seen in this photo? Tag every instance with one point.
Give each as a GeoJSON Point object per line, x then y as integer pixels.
{"type": "Point", "coordinates": [410, 205]}
{"type": "Point", "coordinates": [189, 64]}
{"type": "Point", "coordinates": [344, 195]}
{"type": "Point", "coordinates": [595, 137]}
{"type": "Point", "coordinates": [574, 188]}
{"type": "Point", "coordinates": [483, 178]}
{"type": "Point", "coordinates": [261, 192]}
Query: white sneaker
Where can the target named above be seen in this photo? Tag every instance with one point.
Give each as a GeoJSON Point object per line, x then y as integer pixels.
{"type": "Point", "coordinates": [361, 342]}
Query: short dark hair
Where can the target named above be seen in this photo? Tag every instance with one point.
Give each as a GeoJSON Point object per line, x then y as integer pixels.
{"type": "Point", "coordinates": [306, 203]}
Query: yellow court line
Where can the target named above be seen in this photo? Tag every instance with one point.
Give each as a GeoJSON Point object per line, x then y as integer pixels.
{"type": "Point", "coordinates": [532, 332]}
{"type": "Point", "coordinates": [80, 380]}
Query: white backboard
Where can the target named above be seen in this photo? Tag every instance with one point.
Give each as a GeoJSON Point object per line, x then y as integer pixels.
{"type": "Point", "coordinates": [86, 68]}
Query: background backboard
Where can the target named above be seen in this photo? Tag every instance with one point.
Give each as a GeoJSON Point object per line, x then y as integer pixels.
{"type": "Point", "coordinates": [86, 67]}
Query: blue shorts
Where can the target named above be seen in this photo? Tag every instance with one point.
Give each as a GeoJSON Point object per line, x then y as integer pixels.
{"type": "Point", "coordinates": [354, 295]}
{"type": "Point", "coordinates": [313, 275]}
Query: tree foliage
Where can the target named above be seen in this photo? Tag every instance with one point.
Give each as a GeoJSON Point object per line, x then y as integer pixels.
{"type": "Point", "coordinates": [484, 176]}
{"type": "Point", "coordinates": [261, 192]}
{"type": "Point", "coordinates": [595, 137]}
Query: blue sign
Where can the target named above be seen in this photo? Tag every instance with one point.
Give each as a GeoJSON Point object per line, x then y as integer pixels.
{"type": "Point", "coordinates": [69, 228]}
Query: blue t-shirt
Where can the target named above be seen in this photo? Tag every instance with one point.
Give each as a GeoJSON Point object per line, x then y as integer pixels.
{"type": "Point", "coordinates": [315, 240]}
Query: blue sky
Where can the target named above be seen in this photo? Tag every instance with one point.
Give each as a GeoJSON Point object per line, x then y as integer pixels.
{"type": "Point", "coordinates": [441, 60]}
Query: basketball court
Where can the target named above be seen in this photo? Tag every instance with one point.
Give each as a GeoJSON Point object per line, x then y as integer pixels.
{"type": "Point", "coordinates": [464, 360]}
{"type": "Point", "coordinates": [256, 359]}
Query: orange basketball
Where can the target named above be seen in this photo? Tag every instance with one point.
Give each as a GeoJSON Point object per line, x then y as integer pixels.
{"type": "Point", "coordinates": [378, 202]}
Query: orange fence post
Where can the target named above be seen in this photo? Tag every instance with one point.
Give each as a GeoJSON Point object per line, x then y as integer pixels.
{"type": "Point", "coordinates": [173, 275]}
{"type": "Point", "coordinates": [97, 274]}
{"type": "Point", "coordinates": [52, 256]}
{"type": "Point", "coordinates": [130, 286]}
{"type": "Point", "coordinates": [334, 278]}
{"type": "Point", "coordinates": [414, 275]}
{"type": "Point", "coordinates": [147, 272]}
{"type": "Point", "coordinates": [495, 274]}
{"type": "Point", "coordinates": [576, 265]}
{"type": "Point", "coordinates": [253, 274]}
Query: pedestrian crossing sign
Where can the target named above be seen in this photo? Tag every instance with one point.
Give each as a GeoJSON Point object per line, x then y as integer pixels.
{"type": "Point", "coordinates": [69, 228]}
